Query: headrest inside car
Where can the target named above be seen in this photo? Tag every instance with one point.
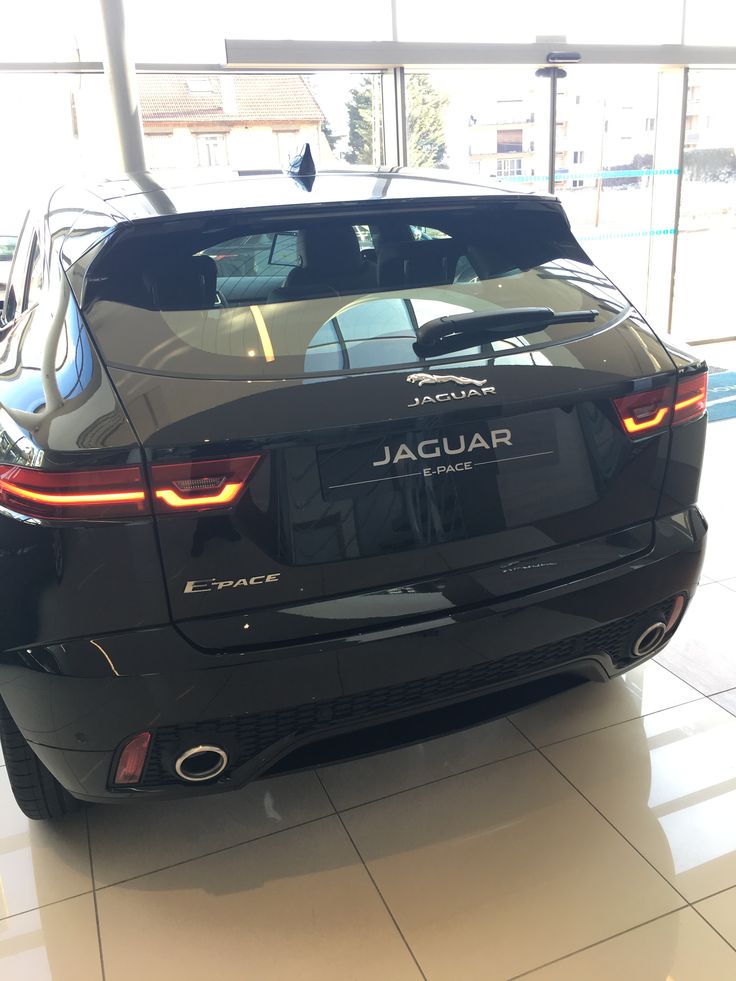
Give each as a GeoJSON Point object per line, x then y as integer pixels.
{"type": "Point", "coordinates": [187, 284]}
{"type": "Point", "coordinates": [329, 247]}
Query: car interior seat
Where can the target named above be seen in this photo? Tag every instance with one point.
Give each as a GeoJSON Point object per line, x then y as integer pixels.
{"type": "Point", "coordinates": [414, 264]}
{"type": "Point", "coordinates": [189, 283]}
{"type": "Point", "coordinates": [330, 262]}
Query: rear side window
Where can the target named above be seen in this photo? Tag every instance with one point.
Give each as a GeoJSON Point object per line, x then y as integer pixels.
{"type": "Point", "coordinates": [34, 280]}
{"type": "Point", "coordinates": [350, 292]}
{"type": "Point", "coordinates": [18, 272]}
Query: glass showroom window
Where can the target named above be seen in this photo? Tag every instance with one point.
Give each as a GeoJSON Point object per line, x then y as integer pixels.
{"type": "Point", "coordinates": [706, 240]}
{"type": "Point", "coordinates": [63, 117]}
{"type": "Point", "coordinates": [604, 178]}
{"type": "Point", "coordinates": [465, 118]}
{"type": "Point", "coordinates": [259, 120]}
{"type": "Point", "coordinates": [656, 22]}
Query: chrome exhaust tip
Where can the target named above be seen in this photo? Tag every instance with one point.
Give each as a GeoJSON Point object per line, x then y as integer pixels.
{"type": "Point", "coordinates": [650, 639]}
{"type": "Point", "coordinates": [199, 763]}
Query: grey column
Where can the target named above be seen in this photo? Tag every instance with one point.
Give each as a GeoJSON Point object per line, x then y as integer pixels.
{"type": "Point", "coordinates": [120, 71]}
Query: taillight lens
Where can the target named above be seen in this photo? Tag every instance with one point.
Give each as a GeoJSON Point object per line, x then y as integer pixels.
{"type": "Point", "coordinates": [645, 412]}
{"type": "Point", "coordinates": [202, 484]}
{"type": "Point", "coordinates": [77, 495]}
{"type": "Point", "coordinates": [132, 759]}
{"type": "Point", "coordinates": [690, 401]}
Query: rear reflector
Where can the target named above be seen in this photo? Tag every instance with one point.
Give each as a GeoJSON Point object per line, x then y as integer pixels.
{"type": "Point", "coordinates": [692, 394]}
{"type": "Point", "coordinates": [200, 484]}
{"type": "Point", "coordinates": [645, 412]}
{"type": "Point", "coordinates": [133, 759]}
{"type": "Point", "coordinates": [78, 495]}
{"type": "Point", "coordinates": [674, 616]}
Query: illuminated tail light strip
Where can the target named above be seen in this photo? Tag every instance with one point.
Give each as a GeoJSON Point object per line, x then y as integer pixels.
{"type": "Point", "coordinates": [650, 412]}
{"type": "Point", "coordinates": [632, 426]}
{"type": "Point", "coordinates": [200, 484]}
{"type": "Point", "coordinates": [691, 399]}
{"type": "Point", "coordinates": [79, 494]}
{"type": "Point", "coordinates": [96, 494]}
{"type": "Point", "coordinates": [645, 412]}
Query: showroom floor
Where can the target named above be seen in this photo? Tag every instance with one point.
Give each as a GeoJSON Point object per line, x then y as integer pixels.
{"type": "Point", "coordinates": [590, 836]}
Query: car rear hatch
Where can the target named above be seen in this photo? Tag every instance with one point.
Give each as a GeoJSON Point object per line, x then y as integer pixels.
{"type": "Point", "coordinates": [313, 475]}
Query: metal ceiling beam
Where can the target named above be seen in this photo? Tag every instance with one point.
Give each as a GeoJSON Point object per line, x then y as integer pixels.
{"type": "Point", "coordinates": [392, 54]}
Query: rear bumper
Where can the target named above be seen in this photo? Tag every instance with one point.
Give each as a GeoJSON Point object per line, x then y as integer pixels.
{"type": "Point", "coordinates": [75, 705]}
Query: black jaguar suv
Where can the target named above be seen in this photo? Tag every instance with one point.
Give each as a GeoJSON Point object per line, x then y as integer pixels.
{"type": "Point", "coordinates": [282, 460]}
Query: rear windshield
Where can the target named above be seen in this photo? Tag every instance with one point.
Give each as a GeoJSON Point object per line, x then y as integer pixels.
{"type": "Point", "coordinates": [328, 295]}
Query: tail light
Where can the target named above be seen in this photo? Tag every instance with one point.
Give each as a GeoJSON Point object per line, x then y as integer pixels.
{"type": "Point", "coordinates": [122, 492]}
{"type": "Point", "coordinates": [132, 759]}
{"type": "Point", "coordinates": [77, 495]}
{"type": "Point", "coordinates": [650, 412]}
{"type": "Point", "coordinates": [690, 401]}
{"type": "Point", "coordinates": [645, 412]}
{"type": "Point", "coordinates": [202, 484]}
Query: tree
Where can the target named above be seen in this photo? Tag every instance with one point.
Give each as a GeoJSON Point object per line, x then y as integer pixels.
{"type": "Point", "coordinates": [425, 123]}
{"type": "Point", "coordinates": [360, 123]}
{"type": "Point", "coordinates": [641, 161]}
{"type": "Point", "coordinates": [329, 135]}
{"type": "Point", "coordinates": [710, 164]}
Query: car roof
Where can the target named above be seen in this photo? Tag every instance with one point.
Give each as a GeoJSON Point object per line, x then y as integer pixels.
{"type": "Point", "coordinates": [83, 215]}
{"type": "Point", "coordinates": [150, 195]}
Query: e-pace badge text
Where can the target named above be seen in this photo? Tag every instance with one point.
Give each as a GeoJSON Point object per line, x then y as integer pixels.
{"type": "Point", "coordinates": [208, 585]}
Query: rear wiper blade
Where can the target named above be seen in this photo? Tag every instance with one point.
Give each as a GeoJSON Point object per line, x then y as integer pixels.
{"type": "Point", "coordinates": [458, 331]}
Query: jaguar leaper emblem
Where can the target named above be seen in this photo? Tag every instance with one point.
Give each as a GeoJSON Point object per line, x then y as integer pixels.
{"type": "Point", "coordinates": [421, 378]}
{"type": "Point", "coordinates": [477, 388]}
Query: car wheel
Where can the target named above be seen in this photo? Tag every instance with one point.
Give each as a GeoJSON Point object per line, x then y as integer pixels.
{"type": "Point", "coordinates": [37, 792]}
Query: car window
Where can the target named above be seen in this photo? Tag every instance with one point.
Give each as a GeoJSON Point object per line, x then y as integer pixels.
{"type": "Point", "coordinates": [7, 247]}
{"type": "Point", "coordinates": [317, 297]}
{"type": "Point", "coordinates": [34, 281]}
{"type": "Point", "coordinates": [18, 270]}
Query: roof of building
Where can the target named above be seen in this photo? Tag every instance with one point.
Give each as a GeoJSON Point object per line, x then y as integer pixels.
{"type": "Point", "coordinates": [227, 98]}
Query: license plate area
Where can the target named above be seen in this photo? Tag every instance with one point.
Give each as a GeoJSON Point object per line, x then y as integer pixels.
{"type": "Point", "coordinates": [470, 457]}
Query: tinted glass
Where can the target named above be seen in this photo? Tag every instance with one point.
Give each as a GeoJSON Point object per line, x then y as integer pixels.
{"type": "Point", "coordinates": [34, 283]}
{"type": "Point", "coordinates": [7, 247]}
{"type": "Point", "coordinates": [335, 294]}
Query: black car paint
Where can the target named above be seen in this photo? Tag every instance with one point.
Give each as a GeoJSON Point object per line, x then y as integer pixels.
{"type": "Point", "coordinates": [95, 650]}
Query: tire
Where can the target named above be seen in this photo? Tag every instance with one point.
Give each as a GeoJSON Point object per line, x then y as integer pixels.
{"type": "Point", "coordinates": [37, 792]}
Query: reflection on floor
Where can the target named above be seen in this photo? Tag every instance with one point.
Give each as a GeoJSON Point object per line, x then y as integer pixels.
{"type": "Point", "coordinates": [588, 836]}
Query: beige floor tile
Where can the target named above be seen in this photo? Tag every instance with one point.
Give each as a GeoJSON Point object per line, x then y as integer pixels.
{"type": "Point", "coordinates": [668, 783]}
{"type": "Point", "coordinates": [39, 862]}
{"type": "Point", "coordinates": [502, 869]}
{"type": "Point", "coordinates": [720, 911]}
{"type": "Point", "coordinates": [140, 837]}
{"type": "Point", "coordinates": [364, 780]}
{"type": "Point", "coordinates": [57, 943]}
{"type": "Point", "coordinates": [679, 947]}
{"type": "Point", "coordinates": [295, 905]}
{"type": "Point", "coordinates": [699, 653]}
{"type": "Point", "coordinates": [649, 688]}
{"type": "Point", "coordinates": [727, 700]}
